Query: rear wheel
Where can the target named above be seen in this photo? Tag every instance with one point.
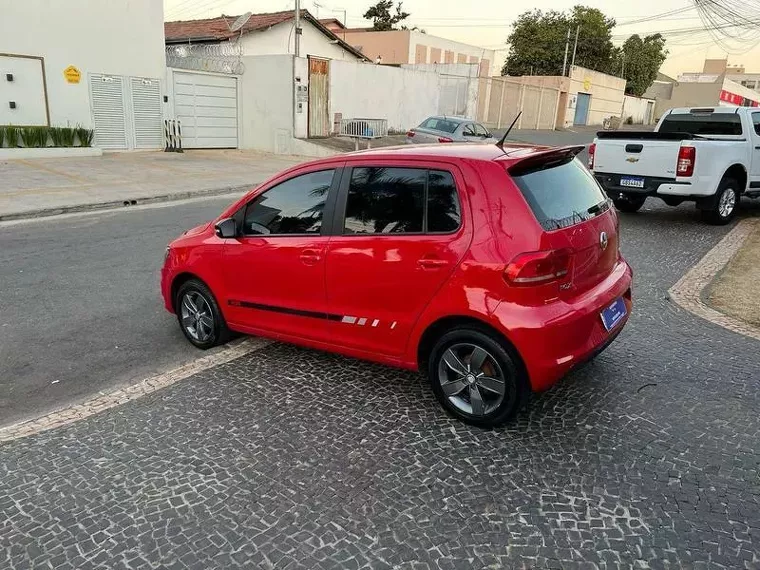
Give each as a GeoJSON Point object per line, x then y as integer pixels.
{"type": "Point", "coordinates": [199, 316]}
{"type": "Point", "coordinates": [475, 378]}
{"type": "Point", "coordinates": [721, 208]}
{"type": "Point", "coordinates": [629, 204]}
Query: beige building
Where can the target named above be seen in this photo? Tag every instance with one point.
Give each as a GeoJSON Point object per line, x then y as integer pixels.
{"type": "Point", "coordinates": [411, 47]}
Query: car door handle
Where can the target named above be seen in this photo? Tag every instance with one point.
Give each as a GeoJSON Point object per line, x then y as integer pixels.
{"type": "Point", "coordinates": [310, 256]}
{"type": "Point", "coordinates": [432, 263]}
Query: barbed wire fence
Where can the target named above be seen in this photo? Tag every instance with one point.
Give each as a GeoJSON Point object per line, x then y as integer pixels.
{"type": "Point", "coordinates": [221, 58]}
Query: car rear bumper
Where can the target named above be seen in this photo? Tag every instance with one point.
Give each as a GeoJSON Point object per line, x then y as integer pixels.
{"type": "Point", "coordinates": [555, 338]}
{"type": "Point", "coordinates": [654, 186]}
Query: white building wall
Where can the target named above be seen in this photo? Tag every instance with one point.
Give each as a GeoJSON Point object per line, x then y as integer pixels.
{"type": "Point", "coordinates": [458, 87]}
{"type": "Point", "coordinates": [607, 92]}
{"type": "Point", "coordinates": [404, 97]}
{"type": "Point", "coordinates": [638, 109]}
{"type": "Point", "coordinates": [279, 39]}
{"type": "Point", "coordinates": [418, 38]}
{"type": "Point", "coordinates": [118, 37]}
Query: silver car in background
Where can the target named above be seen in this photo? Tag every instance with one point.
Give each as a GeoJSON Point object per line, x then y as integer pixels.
{"type": "Point", "coordinates": [448, 129]}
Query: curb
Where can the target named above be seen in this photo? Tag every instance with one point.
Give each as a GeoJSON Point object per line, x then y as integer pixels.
{"type": "Point", "coordinates": [45, 212]}
{"type": "Point", "coordinates": [687, 292]}
{"type": "Point", "coordinates": [106, 400]}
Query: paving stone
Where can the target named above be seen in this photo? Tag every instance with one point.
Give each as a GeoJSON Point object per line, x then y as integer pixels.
{"type": "Point", "coordinates": [288, 458]}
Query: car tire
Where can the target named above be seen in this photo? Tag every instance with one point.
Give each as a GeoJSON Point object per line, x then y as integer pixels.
{"type": "Point", "coordinates": [199, 316]}
{"type": "Point", "coordinates": [475, 377]}
{"type": "Point", "coordinates": [629, 204]}
{"type": "Point", "coordinates": [720, 209]}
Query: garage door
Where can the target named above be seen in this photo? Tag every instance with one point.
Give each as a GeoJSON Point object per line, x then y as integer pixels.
{"type": "Point", "coordinates": [207, 107]}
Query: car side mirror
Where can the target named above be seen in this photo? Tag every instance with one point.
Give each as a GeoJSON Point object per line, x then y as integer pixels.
{"type": "Point", "coordinates": [226, 228]}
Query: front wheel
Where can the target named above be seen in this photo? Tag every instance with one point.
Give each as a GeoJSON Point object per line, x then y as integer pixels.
{"type": "Point", "coordinates": [199, 316]}
{"type": "Point", "coordinates": [475, 378]}
{"type": "Point", "coordinates": [721, 208]}
{"type": "Point", "coordinates": [629, 204]}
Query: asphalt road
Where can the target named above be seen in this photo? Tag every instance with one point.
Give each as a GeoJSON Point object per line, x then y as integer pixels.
{"type": "Point", "coordinates": [80, 305]}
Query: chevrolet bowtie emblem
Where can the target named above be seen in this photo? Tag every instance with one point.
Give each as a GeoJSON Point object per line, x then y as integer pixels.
{"type": "Point", "coordinates": [632, 159]}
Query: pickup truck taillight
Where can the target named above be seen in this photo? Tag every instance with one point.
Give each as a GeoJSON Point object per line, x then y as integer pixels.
{"type": "Point", "coordinates": [591, 151]}
{"type": "Point", "coordinates": [687, 156]}
{"type": "Point", "coordinates": [538, 267]}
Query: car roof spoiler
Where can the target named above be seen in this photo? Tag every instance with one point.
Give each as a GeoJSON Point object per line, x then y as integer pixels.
{"type": "Point", "coordinates": [527, 159]}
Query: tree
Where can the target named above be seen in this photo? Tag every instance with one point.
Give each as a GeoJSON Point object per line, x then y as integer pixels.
{"type": "Point", "coordinates": [639, 60]}
{"type": "Point", "coordinates": [537, 41]}
{"type": "Point", "coordinates": [382, 18]}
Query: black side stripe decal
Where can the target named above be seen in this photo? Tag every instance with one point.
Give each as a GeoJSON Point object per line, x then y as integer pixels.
{"type": "Point", "coordinates": [286, 310]}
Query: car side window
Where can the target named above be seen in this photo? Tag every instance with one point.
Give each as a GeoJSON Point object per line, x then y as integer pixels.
{"type": "Point", "coordinates": [443, 211]}
{"type": "Point", "coordinates": [756, 122]}
{"type": "Point", "coordinates": [481, 131]}
{"type": "Point", "coordinates": [385, 200]}
{"type": "Point", "coordinates": [469, 131]}
{"type": "Point", "coordinates": [292, 207]}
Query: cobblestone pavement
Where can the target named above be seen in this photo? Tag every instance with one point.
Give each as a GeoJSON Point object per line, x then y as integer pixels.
{"type": "Point", "coordinates": [288, 458]}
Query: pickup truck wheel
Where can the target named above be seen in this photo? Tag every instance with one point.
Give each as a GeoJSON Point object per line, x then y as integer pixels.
{"type": "Point", "coordinates": [721, 208]}
{"type": "Point", "coordinates": [629, 204]}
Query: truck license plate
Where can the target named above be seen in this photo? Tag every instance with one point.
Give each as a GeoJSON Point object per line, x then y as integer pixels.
{"type": "Point", "coordinates": [632, 182]}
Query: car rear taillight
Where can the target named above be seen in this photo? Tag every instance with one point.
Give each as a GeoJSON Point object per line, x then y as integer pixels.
{"type": "Point", "coordinates": [445, 140]}
{"type": "Point", "coordinates": [591, 151]}
{"type": "Point", "coordinates": [687, 156]}
{"type": "Point", "coordinates": [538, 267]}
{"type": "Point", "coordinates": [410, 134]}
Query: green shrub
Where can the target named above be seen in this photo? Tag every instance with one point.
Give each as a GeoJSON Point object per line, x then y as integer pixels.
{"type": "Point", "coordinates": [34, 137]}
{"type": "Point", "coordinates": [11, 136]}
{"type": "Point", "coordinates": [55, 136]}
{"type": "Point", "coordinates": [85, 136]}
{"type": "Point", "coordinates": [2, 135]}
{"type": "Point", "coordinates": [67, 136]}
{"type": "Point", "coordinates": [629, 121]}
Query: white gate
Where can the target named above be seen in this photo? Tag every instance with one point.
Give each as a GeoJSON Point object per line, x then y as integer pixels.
{"type": "Point", "coordinates": [207, 106]}
{"type": "Point", "coordinates": [108, 111]}
{"type": "Point", "coordinates": [146, 112]}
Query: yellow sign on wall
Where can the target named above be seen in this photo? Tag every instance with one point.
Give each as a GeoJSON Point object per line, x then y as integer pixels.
{"type": "Point", "coordinates": [72, 74]}
{"type": "Point", "coordinates": [587, 84]}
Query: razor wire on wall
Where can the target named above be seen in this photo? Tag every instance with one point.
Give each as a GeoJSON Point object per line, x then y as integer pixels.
{"type": "Point", "coordinates": [222, 57]}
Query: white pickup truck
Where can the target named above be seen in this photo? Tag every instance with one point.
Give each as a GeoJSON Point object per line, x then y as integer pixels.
{"type": "Point", "coordinates": [708, 156]}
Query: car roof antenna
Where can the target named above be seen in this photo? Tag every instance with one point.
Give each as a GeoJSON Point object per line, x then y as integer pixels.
{"type": "Point", "coordinates": [500, 144]}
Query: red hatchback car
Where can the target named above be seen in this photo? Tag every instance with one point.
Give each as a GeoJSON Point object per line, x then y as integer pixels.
{"type": "Point", "coordinates": [494, 270]}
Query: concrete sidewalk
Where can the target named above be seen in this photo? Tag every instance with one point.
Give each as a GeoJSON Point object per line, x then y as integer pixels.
{"type": "Point", "coordinates": [39, 187]}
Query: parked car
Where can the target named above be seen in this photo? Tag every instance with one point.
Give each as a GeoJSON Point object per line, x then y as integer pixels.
{"type": "Point", "coordinates": [448, 130]}
{"type": "Point", "coordinates": [708, 156]}
{"type": "Point", "coordinates": [494, 270]}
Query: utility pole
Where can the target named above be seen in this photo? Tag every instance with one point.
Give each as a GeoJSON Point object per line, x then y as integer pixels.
{"type": "Point", "coordinates": [575, 47]}
{"type": "Point", "coordinates": [567, 47]}
{"type": "Point", "coordinates": [298, 29]}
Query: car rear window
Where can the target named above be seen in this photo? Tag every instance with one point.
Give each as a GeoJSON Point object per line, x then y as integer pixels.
{"type": "Point", "coordinates": [702, 124]}
{"type": "Point", "coordinates": [561, 193]}
{"type": "Point", "coordinates": [440, 125]}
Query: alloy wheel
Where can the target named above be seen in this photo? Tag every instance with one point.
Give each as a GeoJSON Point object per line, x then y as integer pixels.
{"type": "Point", "coordinates": [472, 379]}
{"type": "Point", "coordinates": [727, 202]}
{"type": "Point", "coordinates": [197, 318]}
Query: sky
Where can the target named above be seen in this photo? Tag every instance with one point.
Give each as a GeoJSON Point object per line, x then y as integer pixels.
{"type": "Point", "coordinates": [486, 23]}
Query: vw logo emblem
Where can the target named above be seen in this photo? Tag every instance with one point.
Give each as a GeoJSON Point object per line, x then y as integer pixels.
{"type": "Point", "coordinates": [603, 240]}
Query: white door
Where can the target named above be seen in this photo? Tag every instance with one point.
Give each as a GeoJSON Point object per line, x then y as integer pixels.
{"type": "Point", "coordinates": [108, 111]}
{"type": "Point", "coordinates": [207, 107]}
{"type": "Point", "coordinates": [146, 112]}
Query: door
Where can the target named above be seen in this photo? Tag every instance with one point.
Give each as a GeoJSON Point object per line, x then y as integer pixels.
{"type": "Point", "coordinates": [582, 104]}
{"type": "Point", "coordinates": [754, 174]}
{"type": "Point", "coordinates": [207, 107]}
{"type": "Point", "coordinates": [146, 112]}
{"type": "Point", "coordinates": [275, 272]}
{"type": "Point", "coordinates": [402, 237]}
{"type": "Point", "coordinates": [319, 87]}
{"type": "Point", "coordinates": [108, 111]}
